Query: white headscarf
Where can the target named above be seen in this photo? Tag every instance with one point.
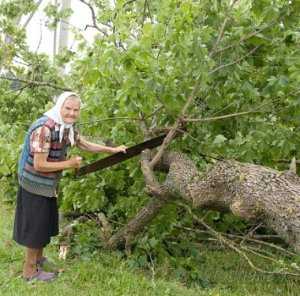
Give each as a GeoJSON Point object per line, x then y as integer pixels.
{"type": "Point", "coordinates": [54, 114]}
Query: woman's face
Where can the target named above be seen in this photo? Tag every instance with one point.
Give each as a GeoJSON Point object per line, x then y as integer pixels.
{"type": "Point", "coordinates": [70, 110]}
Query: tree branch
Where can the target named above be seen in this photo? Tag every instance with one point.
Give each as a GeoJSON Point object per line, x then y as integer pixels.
{"type": "Point", "coordinates": [222, 29]}
{"type": "Point", "coordinates": [219, 117]}
{"type": "Point", "coordinates": [233, 246]}
{"type": "Point", "coordinates": [40, 39]}
{"type": "Point", "coordinates": [136, 224]}
{"type": "Point", "coordinates": [36, 83]}
{"type": "Point", "coordinates": [173, 130]}
{"type": "Point", "coordinates": [234, 62]}
{"type": "Point", "coordinates": [94, 18]}
{"type": "Point", "coordinates": [244, 38]}
{"type": "Point", "coordinates": [107, 119]}
{"type": "Point", "coordinates": [32, 14]}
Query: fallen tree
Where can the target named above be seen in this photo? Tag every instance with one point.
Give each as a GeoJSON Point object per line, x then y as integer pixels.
{"type": "Point", "coordinates": [252, 192]}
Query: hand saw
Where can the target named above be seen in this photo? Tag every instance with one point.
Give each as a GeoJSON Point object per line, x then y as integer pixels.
{"type": "Point", "coordinates": [120, 156]}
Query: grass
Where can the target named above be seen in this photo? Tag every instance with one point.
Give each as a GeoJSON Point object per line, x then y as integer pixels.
{"type": "Point", "coordinates": [106, 274]}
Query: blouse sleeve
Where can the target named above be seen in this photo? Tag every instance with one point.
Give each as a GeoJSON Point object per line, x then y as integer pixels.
{"type": "Point", "coordinates": [40, 140]}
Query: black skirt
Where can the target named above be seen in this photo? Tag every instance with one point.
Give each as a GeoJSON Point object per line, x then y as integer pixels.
{"type": "Point", "coordinates": [36, 219]}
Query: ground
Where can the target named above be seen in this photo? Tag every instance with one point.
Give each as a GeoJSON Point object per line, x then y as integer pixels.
{"type": "Point", "coordinates": [225, 274]}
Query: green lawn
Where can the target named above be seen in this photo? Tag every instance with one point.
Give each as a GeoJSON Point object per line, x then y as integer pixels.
{"type": "Point", "coordinates": [107, 274]}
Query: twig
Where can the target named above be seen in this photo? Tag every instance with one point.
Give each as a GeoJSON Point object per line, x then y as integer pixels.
{"type": "Point", "coordinates": [205, 156]}
{"type": "Point", "coordinates": [107, 119]}
{"type": "Point", "coordinates": [94, 18]}
{"type": "Point", "coordinates": [40, 39]}
{"type": "Point", "coordinates": [221, 31]}
{"type": "Point", "coordinates": [249, 239]}
{"type": "Point", "coordinates": [149, 11]}
{"type": "Point", "coordinates": [262, 243]}
{"type": "Point", "coordinates": [144, 126]}
{"type": "Point", "coordinates": [292, 93]}
{"type": "Point", "coordinates": [224, 108]}
{"type": "Point", "coordinates": [232, 246]}
{"type": "Point", "coordinates": [256, 110]}
{"type": "Point", "coordinates": [234, 62]}
{"type": "Point", "coordinates": [32, 14]}
{"type": "Point", "coordinates": [244, 38]}
{"type": "Point", "coordinates": [251, 250]}
{"type": "Point", "coordinates": [152, 267]}
{"type": "Point", "coordinates": [120, 118]}
{"type": "Point", "coordinates": [250, 233]}
{"type": "Point", "coordinates": [36, 83]}
{"type": "Point", "coordinates": [172, 132]}
{"type": "Point", "coordinates": [219, 117]}
{"type": "Point", "coordinates": [20, 90]}
{"type": "Point", "coordinates": [115, 222]}
{"type": "Point", "coordinates": [71, 25]}
{"type": "Point", "coordinates": [155, 111]}
{"type": "Point", "coordinates": [144, 12]}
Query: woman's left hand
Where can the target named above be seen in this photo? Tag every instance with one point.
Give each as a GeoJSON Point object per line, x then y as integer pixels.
{"type": "Point", "coordinates": [121, 148]}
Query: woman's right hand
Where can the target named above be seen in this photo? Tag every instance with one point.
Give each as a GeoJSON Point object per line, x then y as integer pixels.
{"type": "Point", "coordinates": [75, 162]}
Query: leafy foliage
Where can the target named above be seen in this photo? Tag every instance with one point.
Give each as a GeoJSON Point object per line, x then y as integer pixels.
{"type": "Point", "coordinates": [144, 66]}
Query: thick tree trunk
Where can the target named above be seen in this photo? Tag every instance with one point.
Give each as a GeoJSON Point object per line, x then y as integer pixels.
{"type": "Point", "coordinates": [249, 191]}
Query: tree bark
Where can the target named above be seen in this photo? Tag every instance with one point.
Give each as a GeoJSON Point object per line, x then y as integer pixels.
{"type": "Point", "coordinates": [249, 191]}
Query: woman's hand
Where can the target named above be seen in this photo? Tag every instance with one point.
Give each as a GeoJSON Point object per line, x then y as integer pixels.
{"type": "Point", "coordinates": [121, 148]}
{"type": "Point", "coordinates": [75, 162]}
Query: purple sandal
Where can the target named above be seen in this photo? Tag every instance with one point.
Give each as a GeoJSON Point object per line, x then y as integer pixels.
{"type": "Point", "coordinates": [41, 276]}
{"type": "Point", "coordinates": [47, 265]}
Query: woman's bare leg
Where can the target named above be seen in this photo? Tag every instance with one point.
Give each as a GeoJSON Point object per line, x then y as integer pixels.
{"type": "Point", "coordinates": [29, 268]}
{"type": "Point", "coordinates": [40, 254]}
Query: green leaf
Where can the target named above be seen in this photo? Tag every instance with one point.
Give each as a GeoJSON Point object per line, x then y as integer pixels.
{"type": "Point", "coordinates": [219, 139]}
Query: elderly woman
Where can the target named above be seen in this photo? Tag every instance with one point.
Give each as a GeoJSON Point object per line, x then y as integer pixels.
{"type": "Point", "coordinates": [42, 160]}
